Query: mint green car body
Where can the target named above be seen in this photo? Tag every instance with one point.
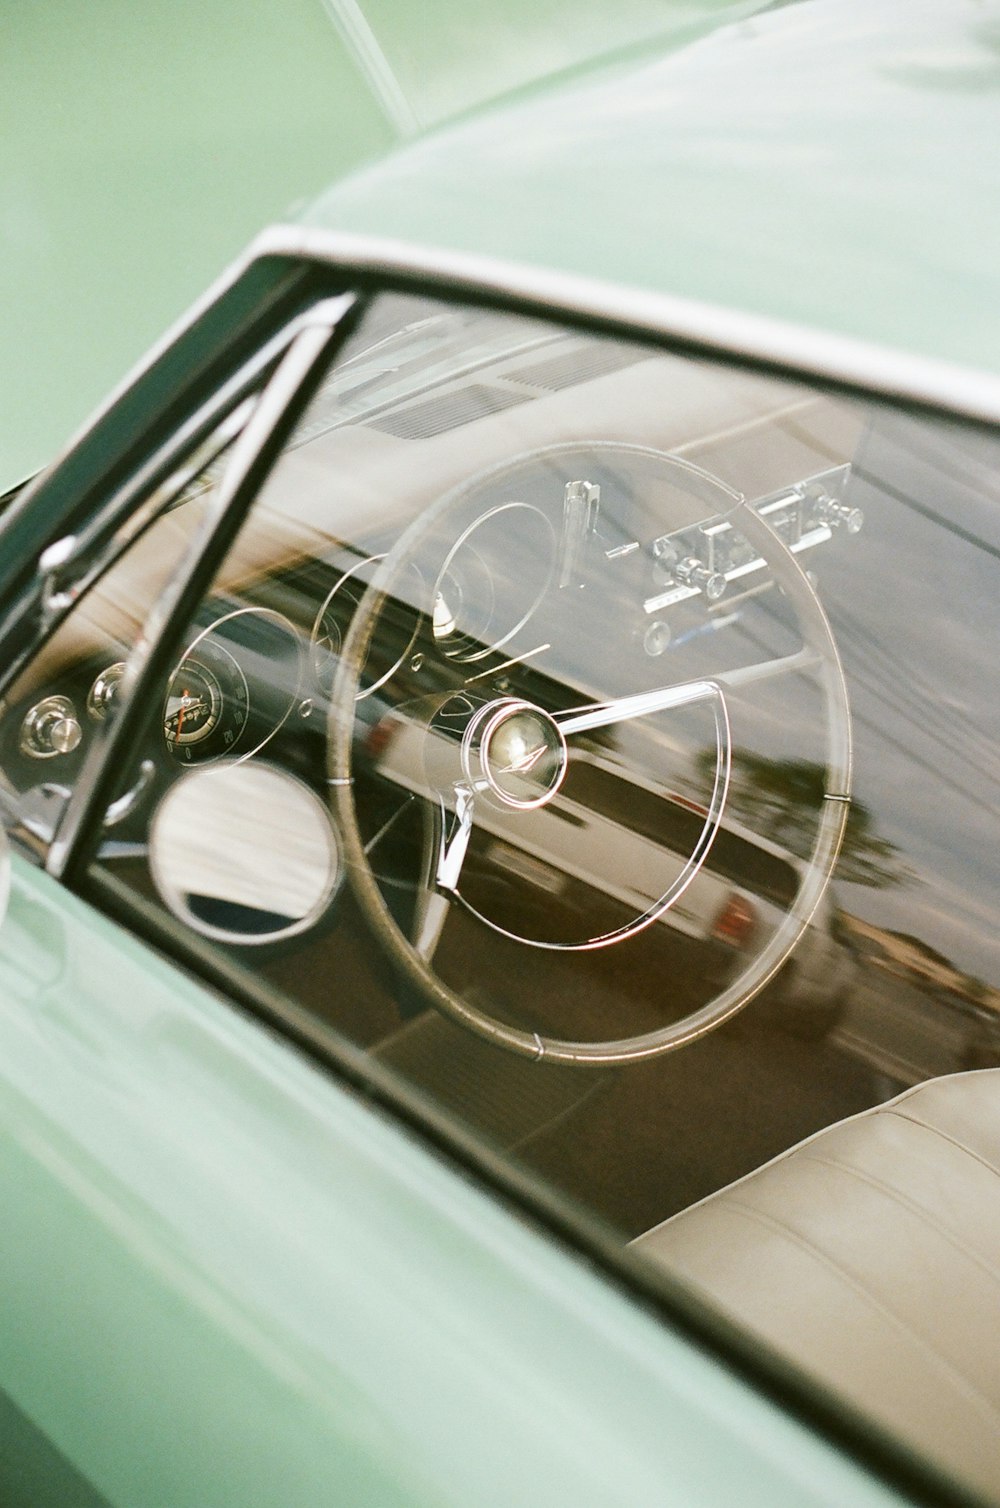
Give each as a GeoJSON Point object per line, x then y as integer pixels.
{"type": "Point", "coordinates": [226, 1281]}
{"type": "Point", "coordinates": [224, 1278]}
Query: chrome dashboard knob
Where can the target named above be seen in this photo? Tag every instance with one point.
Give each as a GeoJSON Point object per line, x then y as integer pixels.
{"type": "Point", "coordinates": [838, 515]}
{"type": "Point", "coordinates": [691, 572]}
{"type": "Point", "coordinates": [51, 727]}
{"type": "Point", "coordinates": [102, 693]}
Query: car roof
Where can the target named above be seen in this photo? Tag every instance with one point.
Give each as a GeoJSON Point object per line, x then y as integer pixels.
{"type": "Point", "coordinates": [826, 163]}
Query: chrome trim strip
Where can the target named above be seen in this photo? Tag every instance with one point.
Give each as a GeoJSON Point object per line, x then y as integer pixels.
{"type": "Point", "coordinates": [714, 329]}
{"type": "Point", "coordinates": [162, 477]}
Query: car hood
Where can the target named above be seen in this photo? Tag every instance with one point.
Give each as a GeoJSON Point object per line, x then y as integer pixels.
{"type": "Point", "coordinates": [830, 163]}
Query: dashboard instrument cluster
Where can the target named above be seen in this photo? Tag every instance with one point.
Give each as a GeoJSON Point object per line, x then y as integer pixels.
{"type": "Point", "coordinates": [237, 682]}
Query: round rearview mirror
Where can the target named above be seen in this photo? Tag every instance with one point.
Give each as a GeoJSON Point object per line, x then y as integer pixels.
{"type": "Point", "coordinates": [244, 853]}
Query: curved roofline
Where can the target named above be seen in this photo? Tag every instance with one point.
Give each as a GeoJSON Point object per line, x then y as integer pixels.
{"type": "Point", "coordinates": [709, 329]}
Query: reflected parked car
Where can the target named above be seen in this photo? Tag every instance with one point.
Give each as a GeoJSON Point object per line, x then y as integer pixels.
{"type": "Point", "coordinates": [607, 838]}
{"type": "Point", "coordinates": [497, 764]}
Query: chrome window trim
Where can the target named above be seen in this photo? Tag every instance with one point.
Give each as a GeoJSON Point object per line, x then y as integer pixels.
{"type": "Point", "coordinates": [714, 330]}
{"type": "Point", "coordinates": [83, 559]}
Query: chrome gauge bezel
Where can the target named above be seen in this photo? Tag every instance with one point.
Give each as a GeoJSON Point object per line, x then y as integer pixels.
{"type": "Point", "coordinates": [104, 689]}
{"type": "Point", "coordinates": [324, 674]}
{"type": "Point", "coordinates": [212, 642]}
{"type": "Point", "coordinates": [195, 668]}
{"type": "Point", "coordinates": [227, 815]}
{"type": "Point", "coordinates": [462, 645]}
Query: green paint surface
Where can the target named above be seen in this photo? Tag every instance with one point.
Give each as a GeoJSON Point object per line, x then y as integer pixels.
{"type": "Point", "coordinates": [225, 1281]}
{"type": "Point", "coordinates": [832, 163]}
{"type": "Point", "coordinates": [142, 148]}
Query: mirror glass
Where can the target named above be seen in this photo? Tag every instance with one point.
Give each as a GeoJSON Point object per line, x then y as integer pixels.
{"type": "Point", "coordinates": [244, 853]}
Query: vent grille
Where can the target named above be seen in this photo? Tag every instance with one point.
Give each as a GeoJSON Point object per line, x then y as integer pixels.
{"type": "Point", "coordinates": [580, 365]}
{"type": "Point", "coordinates": [423, 421]}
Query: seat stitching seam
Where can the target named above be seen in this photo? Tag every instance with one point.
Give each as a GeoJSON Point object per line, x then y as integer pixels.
{"type": "Point", "coordinates": [911, 1204]}
{"type": "Point", "coordinates": [963, 1382]}
{"type": "Point", "coordinates": [946, 1136]}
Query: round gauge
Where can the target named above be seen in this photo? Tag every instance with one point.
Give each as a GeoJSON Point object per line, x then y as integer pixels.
{"type": "Point", "coordinates": [334, 619]}
{"type": "Point", "coordinates": [194, 703]}
{"type": "Point", "coordinates": [207, 704]}
{"type": "Point", "coordinates": [493, 578]}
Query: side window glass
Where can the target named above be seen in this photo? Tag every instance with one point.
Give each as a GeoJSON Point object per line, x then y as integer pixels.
{"type": "Point", "coordinates": [450, 752]}
{"type": "Point", "coordinates": [544, 734]}
{"type": "Point", "coordinates": [590, 745]}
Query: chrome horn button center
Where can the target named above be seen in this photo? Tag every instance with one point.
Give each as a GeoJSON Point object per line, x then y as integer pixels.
{"type": "Point", "coordinates": [520, 752]}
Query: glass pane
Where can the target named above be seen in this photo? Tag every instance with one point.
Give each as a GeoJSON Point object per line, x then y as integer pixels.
{"type": "Point", "coordinates": [506, 607]}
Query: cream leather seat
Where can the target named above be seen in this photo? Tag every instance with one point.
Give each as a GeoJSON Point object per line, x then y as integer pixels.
{"type": "Point", "coordinates": [870, 1255]}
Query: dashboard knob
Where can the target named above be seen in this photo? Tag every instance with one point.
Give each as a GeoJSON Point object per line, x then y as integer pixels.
{"type": "Point", "coordinates": [691, 572]}
{"type": "Point", "coordinates": [839, 515]}
{"type": "Point", "coordinates": [102, 693]}
{"type": "Point", "coordinates": [50, 728]}
{"type": "Point", "coordinates": [63, 734]}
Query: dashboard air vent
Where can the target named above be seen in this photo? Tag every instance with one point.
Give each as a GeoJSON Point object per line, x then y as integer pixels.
{"type": "Point", "coordinates": [579, 365]}
{"type": "Point", "coordinates": [422, 421]}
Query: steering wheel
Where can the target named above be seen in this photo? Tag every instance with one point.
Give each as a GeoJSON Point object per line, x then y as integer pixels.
{"type": "Point", "coordinates": [478, 755]}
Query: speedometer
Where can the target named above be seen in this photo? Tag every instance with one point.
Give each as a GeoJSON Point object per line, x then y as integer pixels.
{"type": "Point", "coordinates": [193, 705]}
{"type": "Point", "coordinates": [207, 704]}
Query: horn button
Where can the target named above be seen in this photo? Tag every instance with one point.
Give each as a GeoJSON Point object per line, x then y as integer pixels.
{"type": "Point", "coordinates": [515, 751]}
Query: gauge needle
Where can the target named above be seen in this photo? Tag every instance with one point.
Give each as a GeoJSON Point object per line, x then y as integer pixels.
{"type": "Point", "coordinates": [182, 705]}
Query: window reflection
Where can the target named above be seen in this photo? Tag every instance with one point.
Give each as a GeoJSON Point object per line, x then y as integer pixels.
{"type": "Point", "coordinates": [532, 524]}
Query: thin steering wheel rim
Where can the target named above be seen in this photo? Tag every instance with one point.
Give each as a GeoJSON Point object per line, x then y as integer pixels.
{"type": "Point", "coordinates": [815, 870]}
